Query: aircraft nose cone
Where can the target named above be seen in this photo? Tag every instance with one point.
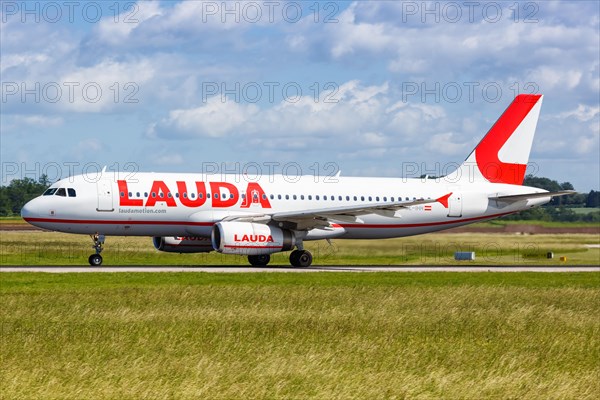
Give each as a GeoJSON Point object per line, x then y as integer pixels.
{"type": "Point", "coordinates": [28, 210]}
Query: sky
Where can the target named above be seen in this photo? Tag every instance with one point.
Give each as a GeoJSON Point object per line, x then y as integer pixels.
{"type": "Point", "coordinates": [368, 88]}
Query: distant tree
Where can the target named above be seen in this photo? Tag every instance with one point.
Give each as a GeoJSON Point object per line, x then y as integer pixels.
{"type": "Point", "coordinates": [18, 192]}
{"type": "Point", "coordinates": [592, 217]}
{"type": "Point", "coordinates": [550, 185]}
{"type": "Point", "coordinates": [593, 199]}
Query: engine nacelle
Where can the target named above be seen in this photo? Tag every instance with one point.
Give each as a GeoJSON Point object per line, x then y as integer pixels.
{"type": "Point", "coordinates": [182, 244]}
{"type": "Point", "coordinates": [250, 239]}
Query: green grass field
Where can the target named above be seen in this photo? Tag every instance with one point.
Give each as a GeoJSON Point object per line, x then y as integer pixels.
{"type": "Point", "coordinates": [321, 335]}
{"type": "Point", "coordinates": [51, 248]}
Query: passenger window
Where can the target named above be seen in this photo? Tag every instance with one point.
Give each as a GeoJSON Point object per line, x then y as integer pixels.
{"type": "Point", "coordinates": [362, 198]}
{"type": "Point", "coordinates": [287, 196]}
{"type": "Point", "coordinates": [301, 197]}
{"type": "Point", "coordinates": [71, 192]}
{"type": "Point", "coordinates": [317, 197]}
{"type": "Point", "coordinates": [279, 197]}
{"type": "Point", "coordinates": [294, 197]}
{"type": "Point", "coordinates": [272, 197]}
{"type": "Point", "coordinates": [137, 194]}
{"type": "Point", "coordinates": [310, 196]}
{"type": "Point", "coordinates": [61, 192]}
{"type": "Point", "coordinates": [377, 198]}
{"type": "Point", "coordinates": [355, 198]}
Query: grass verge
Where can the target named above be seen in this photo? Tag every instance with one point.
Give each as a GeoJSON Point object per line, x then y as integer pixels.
{"type": "Point", "coordinates": [51, 248]}
{"type": "Point", "coordinates": [223, 336]}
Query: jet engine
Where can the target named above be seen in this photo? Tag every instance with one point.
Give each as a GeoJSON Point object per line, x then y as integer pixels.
{"type": "Point", "coordinates": [248, 238]}
{"type": "Point", "coordinates": [182, 244]}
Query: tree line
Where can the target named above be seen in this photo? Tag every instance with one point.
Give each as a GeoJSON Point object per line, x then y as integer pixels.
{"type": "Point", "coordinates": [19, 191]}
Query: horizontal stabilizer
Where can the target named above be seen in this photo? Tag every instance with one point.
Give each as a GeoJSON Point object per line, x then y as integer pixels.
{"type": "Point", "coordinates": [518, 197]}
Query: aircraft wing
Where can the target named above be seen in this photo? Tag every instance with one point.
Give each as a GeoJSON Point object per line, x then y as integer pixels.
{"type": "Point", "coordinates": [518, 197]}
{"type": "Point", "coordinates": [320, 218]}
{"type": "Point", "coordinates": [323, 217]}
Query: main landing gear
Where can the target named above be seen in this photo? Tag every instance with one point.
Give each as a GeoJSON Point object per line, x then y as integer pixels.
{"type": "Point", "coordinates": [95, 260]}
{"type": "Point", "coordinates": [301, 258]}
{"type": "Point", "coordinates": [298, 259]}
{"type": "Point", "coordinates": [259, 260]}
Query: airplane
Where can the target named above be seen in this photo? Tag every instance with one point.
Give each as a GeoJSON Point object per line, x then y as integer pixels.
{"type": "Point", "coordinates": [230, 214]}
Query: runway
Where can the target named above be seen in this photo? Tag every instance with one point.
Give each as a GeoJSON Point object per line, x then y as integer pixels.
{"type": "Point", "coordinates": [354, 268]}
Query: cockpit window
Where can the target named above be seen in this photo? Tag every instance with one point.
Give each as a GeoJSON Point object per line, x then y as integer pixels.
{"type": "Point", "coordinates": [49, 192]}
{"type": "Point", "coordinates": [71, 192]}
{"type": "Point", "coordinates": [61, 192]}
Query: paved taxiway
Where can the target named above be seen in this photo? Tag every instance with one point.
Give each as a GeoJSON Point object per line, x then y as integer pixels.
{"type": "Point", "coordinates": [354, 268]}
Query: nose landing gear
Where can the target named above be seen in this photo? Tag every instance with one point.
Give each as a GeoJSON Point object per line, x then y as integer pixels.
{"type": "Point", "coordinates": [95, 260]}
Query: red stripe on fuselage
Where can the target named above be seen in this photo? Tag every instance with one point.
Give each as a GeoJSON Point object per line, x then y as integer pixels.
{"type": "Point", "coordinates": [115, 222]}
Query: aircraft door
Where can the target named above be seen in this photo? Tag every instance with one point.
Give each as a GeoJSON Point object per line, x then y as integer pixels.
{"type": "Point", "coordinates": [455, 205]}
{"type": "Point", "coordinates": [105, 195]}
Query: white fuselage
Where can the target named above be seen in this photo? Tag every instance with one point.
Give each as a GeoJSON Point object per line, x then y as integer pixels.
{"type": "Point", "coordinates": [168, 204]}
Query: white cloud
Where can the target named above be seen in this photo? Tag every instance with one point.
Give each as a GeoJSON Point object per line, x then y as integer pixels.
{"type": "Point", "coordinates": [39, 120]}
{"type": "Point", "coordinates": [442, 143]}
{"type": "Point", "coordinates": [216, 118]}
{"type": "Point", "coordinates": [106, 85]}
{"type": "Point", "coordinates": [116, 32]}
{"type": "Point", "coordinates": [582, 113]}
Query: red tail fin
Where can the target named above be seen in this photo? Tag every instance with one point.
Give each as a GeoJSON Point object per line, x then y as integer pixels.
{"type": "Point", "coordinates": [502, 155]}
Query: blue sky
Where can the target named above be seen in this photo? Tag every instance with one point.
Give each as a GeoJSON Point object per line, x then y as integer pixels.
{"type": "Point", "coordinates": [372, 88]}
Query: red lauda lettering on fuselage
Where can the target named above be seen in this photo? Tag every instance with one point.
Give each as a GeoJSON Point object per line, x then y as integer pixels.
{"type": "Point", "coordinates": [224, 194]}
{"type": "Point", "coordinates": [253, 238]}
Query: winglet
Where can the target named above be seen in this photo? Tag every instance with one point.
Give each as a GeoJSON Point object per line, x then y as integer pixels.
{"type": "Point", "coordinates": [444, 199]}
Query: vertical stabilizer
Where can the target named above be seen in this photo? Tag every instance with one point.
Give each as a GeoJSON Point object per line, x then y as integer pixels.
{"type": "Point", "coordinates": [502, 155]}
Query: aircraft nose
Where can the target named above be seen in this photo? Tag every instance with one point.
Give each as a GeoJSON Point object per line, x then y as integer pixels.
{"type": "Point", "coordinates": [29, 210]}
{"type": "Point", "coordinates": [26, 210]}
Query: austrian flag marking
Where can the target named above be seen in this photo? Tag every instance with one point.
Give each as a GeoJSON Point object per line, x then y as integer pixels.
{"type": "Point", "coordinates": [427, 208]}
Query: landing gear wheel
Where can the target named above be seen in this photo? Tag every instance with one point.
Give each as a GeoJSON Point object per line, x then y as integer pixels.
{"type": "Point", "coordinates": [95, 260]}
{"type": "Point", "coordinates": [301, 258]}
{"type": "Point", "coordinates": [259, 260]}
